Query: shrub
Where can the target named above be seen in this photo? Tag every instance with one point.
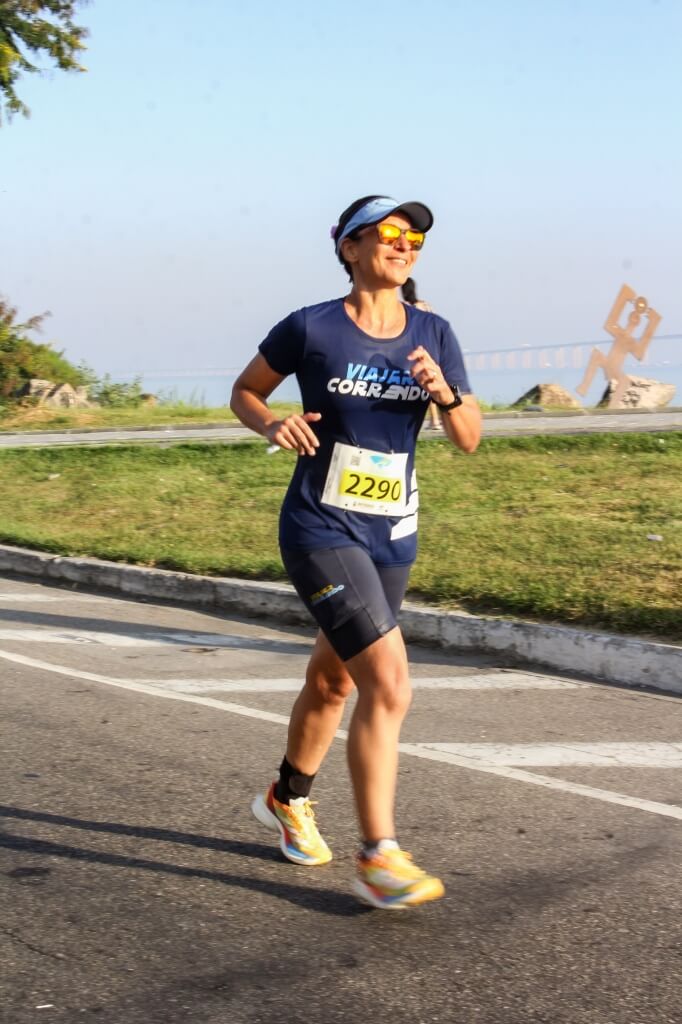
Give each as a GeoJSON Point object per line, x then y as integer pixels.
{"type": "Point", "coordinates": [106, 392]}
{"type": "Point", "coordinates": [21, 359]}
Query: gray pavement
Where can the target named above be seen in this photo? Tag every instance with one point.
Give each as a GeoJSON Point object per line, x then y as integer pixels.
{"type": "Point", "coordinates": [496, 425]}
{"type": "Point", "coordinates": [137, 887]}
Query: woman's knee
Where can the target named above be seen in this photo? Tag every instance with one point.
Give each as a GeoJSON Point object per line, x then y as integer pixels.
{"type": "Point", "coordinates": [327, 675]}
{"type": "Point", "coordinates": [330, 688]}
{"type": "Point", "coordinates": [381, 674]}
{"type": "Point", "coordinates": [391, 692]}
{"type": "Point", "coordinates": [383, 683]}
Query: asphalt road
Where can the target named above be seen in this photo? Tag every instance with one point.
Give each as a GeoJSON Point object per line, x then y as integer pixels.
{"type": "Point", "coordinates": [136, 887]}
{"type": "Point", "coordinates": [526, 424]}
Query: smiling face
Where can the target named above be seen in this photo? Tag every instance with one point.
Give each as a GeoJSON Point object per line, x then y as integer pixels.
{"type": "Point", "coordinates": [376, 264]}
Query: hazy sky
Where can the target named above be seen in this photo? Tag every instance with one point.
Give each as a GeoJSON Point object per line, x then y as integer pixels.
{"type": "Point", "coordinates": [174, 202]}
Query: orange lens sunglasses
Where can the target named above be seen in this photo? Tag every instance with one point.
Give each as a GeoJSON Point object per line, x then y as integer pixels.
{"type": "Point", "coordinates": [390, 233]}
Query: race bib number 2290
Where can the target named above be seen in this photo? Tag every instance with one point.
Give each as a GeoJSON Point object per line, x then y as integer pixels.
{"type": "Point", "coordinates": [362, 480]}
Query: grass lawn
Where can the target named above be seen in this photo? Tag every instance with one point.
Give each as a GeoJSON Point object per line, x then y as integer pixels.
{"type": "Point", "coordinates": [554, 529]}
{"type": "Point", "coordinates": [16, 418]}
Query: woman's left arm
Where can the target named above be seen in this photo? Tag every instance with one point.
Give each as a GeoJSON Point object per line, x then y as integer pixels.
{"type": "Point", "coordinates": [463, 423]}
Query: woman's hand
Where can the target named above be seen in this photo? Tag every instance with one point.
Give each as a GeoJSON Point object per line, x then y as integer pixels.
{"type": "Point", "coordinates": [463, 423]}
{"type": "Point", "coordinates": [429, 376]}
{"type": "Point", "coordinates": [294, 433]}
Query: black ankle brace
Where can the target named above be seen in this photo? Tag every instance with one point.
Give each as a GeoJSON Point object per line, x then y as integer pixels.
{"type": "Point", "coordinates": [292, 784]}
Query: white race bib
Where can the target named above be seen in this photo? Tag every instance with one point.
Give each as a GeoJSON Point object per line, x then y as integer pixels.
{"type": "Point", "coordinates": [361, 480]}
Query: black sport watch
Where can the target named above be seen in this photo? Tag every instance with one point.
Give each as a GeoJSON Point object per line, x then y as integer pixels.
{"type": "Point", "coordinates": [457, 400]}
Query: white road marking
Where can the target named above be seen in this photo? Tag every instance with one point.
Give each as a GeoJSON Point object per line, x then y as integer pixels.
{"type": "Point", "coordinates": [485, 681]}
{"type": "Point", "coordinates": [135, 638]}
{"type": "Point", "coordinates": [131, 638]}
{"type": "Point", "coordinates": [53, 636]}
{"type": "Point", "coordinates": [605, 795]}
{"type": "Point", "coordinates": [558, 755]}
{"type": "Point", "coordinates": [142, 687]}
{"type": "Point", "coordinates": [411, 749]}
{"type": "Point", "coordinates": [14, 596]}
{"type": "Point", "coordinates": [494, 681]}
{"type": "Point", "coordinates": [144, 638]}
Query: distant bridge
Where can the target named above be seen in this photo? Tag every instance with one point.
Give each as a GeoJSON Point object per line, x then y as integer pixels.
{"type": "Point", "coordinates": [521, 357]}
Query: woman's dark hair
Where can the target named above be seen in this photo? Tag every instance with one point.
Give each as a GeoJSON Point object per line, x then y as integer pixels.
{"type": "Point", "coordinates": [409, 290]}
{"type": "Point", "coordinates": [343, 220]}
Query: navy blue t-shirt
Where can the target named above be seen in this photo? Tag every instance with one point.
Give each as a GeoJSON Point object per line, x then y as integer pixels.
{"type": "Point", "coordinates": [363, 389]}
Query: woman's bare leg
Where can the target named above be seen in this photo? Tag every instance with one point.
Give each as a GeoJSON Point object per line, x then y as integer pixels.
{"type": "Point", "coordinates": [318, 709]}
{"type": "Point", "coordinates": [380, 673]}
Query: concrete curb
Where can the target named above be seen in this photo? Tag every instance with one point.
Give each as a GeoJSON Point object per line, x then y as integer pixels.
{"type": "Point", "coordinates": [613, 659]}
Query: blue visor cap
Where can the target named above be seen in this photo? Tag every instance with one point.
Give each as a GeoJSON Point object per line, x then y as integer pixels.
{"type": "Point", "coordinates": [419, 216]}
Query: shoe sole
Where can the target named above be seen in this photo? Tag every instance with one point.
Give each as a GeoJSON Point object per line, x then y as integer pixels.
{"type": "Point", "coordinates": [264, 815]}
{"type": "Point", "coordinates": [367, 896]}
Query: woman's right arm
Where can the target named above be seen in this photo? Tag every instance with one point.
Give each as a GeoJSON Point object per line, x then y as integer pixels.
{"type": "Point", "coordinates": [250, 393]}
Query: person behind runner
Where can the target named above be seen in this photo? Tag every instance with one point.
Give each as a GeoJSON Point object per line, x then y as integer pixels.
{"type": "Point", "coordinates": [367, 367]}
{"type": "Point", "coordinates": [409, 294]}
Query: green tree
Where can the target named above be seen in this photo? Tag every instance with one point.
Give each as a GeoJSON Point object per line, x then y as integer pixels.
{"type": "Point", "coordinates": [31, 29]}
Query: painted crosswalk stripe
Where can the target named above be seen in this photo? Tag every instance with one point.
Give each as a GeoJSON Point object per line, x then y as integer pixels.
{"type": "Point", "coordinates": [501, 680]}
{"type": "Point", "coordinates": [133, 638]}
{"type": "Point", "coordinates": [607, 796]}
{"type": "Point", "coordinates": [558, 755]}
{"type": "Point", "coordinates": [484, 681]}
{"type": "Point", "coordinates": [47, 598]}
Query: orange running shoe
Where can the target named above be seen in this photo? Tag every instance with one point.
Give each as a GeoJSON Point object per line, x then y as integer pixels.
{"type": "Point", "coordinates": [391, 881]}
{"type": "Point", "coordinates": [300, 840]}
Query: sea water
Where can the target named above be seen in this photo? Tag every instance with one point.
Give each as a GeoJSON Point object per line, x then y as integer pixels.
{"type": "Point", "coordinates": [497, 377]}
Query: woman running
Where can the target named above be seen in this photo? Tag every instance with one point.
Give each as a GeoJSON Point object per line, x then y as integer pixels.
{"type": "Point", "coordinates": [367, 366]}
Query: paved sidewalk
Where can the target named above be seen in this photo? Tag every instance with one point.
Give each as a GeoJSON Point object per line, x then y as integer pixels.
{"type": "Point", "coordinates": [495, 425]}
{"type": "Point", "coordinates": [615, 659]}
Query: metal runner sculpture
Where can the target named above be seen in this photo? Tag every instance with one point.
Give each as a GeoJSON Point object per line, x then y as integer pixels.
{"type": "Point", "coordinates": [624, 344]}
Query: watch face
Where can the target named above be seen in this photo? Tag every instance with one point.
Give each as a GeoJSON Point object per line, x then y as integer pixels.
{"type": "Point", "coordinates": [456, 399]}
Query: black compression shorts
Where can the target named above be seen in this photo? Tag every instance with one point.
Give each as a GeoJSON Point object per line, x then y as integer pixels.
{"type": "Point", "coordinates": [353, 601]}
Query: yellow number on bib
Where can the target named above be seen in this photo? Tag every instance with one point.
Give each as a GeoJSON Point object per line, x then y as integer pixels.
{"type": "Point", "coordinates": [370, 487]}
